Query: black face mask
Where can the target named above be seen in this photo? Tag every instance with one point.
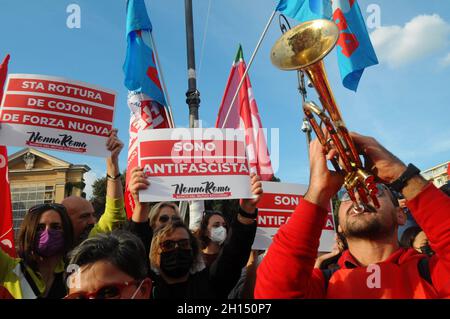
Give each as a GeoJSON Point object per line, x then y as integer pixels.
{"type": "Point", "coordinates": [426, 249]}
{"type": "Point", "coordinates": [176, 263]}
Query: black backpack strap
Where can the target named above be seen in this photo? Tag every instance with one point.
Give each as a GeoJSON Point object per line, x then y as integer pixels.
{"type": "Point", "coordinates": [424, 270]}
{"type": "Point", "coordinates": [327, 273]}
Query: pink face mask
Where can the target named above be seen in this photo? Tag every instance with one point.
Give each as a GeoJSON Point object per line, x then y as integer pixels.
{"type": "Point", "coordinates": [50, 242]}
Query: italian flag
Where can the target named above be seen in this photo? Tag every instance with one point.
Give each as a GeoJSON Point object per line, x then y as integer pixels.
{"type": "Point", "coordinates": [244, 114]}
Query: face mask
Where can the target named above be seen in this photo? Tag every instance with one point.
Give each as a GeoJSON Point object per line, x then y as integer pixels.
{"type": "Point", "coordinates": [176, 263]}
{"type": "Point", "coordinates": [50, 242]}
{"type": "Point", "coordinates": [218, 234]}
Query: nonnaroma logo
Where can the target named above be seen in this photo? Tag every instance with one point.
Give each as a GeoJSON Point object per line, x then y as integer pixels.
{"type": "Point", "coordinates": [206, 190]}
{"type": "Point", "coordinates": [62, 142]}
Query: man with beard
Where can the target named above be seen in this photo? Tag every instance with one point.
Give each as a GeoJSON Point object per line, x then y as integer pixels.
{"type": "Point", "coordinates": [81, 211]}
{"type": "Point", "coordinates": [374, 266]}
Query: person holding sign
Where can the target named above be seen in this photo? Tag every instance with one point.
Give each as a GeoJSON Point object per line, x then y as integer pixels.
{"type": "Point", "coordinates": [373, 266]}
{"type": "Point", "coordinates": [81, 211]}
{"type": "Point", "coordinates": [177, 266]}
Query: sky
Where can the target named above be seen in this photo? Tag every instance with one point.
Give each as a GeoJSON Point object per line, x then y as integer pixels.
{"type": "Point", "coordinates": [403, 102]}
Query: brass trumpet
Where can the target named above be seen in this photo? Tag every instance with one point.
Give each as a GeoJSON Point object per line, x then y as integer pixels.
{"type": "Point", "coordinates": [303, 48]}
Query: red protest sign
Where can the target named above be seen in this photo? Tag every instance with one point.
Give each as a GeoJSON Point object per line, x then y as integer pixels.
{"type": "Point", "coordinates": [275, 208]}
{"type": "Point", "coordinates": [60, 87]}
{"type": "Point", "coordinates": [55, 113]}
{"type": "Point", "coordinates": [187, 164]}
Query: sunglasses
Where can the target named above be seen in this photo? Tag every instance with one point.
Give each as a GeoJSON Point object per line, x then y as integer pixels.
{"type": "Point", "coordinates": [170, 245]}
{"type": "Point", "coordinates": [110, 291]}
{"type": "Point", "coordinates": [343, 195]}
{"type": "Point", "coordinates": [43, 207]}
{"type": "Point", "coordinates": [166, 218]}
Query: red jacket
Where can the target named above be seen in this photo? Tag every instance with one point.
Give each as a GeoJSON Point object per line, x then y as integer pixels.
{"type": "Point", "coordinates": [287, 269]}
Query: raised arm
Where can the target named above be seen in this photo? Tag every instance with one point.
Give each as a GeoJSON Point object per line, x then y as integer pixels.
{"type": "Point", "coordinates": [429, 206]}
{"type": "Point", "coordinates": [114, 186]}
{"type": "Point", "coordinates": [114, 214]}
{"type": "Point", "coordinates": [287, 269]}
{"type": "Point", "coordinates": [139, 223]}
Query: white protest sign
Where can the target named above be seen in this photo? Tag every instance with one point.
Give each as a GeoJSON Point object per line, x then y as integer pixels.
{"type": "Point", "coordinates": [275, 208]}
{"type": "Point", "coordinates": [56, 113]}
{"type": "Point", "coordinates": [190, 164]}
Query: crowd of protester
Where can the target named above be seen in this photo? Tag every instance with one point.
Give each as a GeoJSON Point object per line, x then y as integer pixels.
{"type": "Point", "coordinates": [64, 252]}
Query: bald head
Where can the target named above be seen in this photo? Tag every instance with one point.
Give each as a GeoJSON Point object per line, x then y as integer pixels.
{"type": "Point", "coordinates": [81, 213]}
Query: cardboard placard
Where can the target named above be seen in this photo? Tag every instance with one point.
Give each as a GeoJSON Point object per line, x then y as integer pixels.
{"type": "Point", "coordinates": [55, 113]}
{"type": "Point", "coordinates": [194, 164]}
{"type": "Point", "coordinates": [275, 208]}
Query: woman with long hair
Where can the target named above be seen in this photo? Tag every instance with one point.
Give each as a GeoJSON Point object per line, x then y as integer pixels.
{"type": "Point", "coordinates": [45, 237]}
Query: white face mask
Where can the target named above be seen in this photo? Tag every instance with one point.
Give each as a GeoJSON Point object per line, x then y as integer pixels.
{"type": "Point", "coordinates": [218, 234]}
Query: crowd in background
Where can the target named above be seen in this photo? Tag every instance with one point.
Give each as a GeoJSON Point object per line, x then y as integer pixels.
{"type": "Point", "coordinates": [65, 252]}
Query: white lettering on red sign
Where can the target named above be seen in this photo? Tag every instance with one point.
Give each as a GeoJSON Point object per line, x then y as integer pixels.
{"type": "Point", "coordinates": [196, 146]}
{"type": "Point", "coordinates": [286, 200]}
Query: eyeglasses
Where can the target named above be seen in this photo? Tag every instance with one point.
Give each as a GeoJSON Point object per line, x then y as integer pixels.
{"type": "Point", "coordinates": [170, 245]}
{"type": "Point", "coordinates": [47, 206]}
{"type": "Point", "coordinates": [110, 291]}
{"type": "Point", "coordinates": [343, 195]}
{"type": "Point", "coordinates": [166, 218]}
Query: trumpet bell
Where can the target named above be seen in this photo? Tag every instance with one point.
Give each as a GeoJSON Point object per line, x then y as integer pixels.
{"type": "Point", "coordinates": [304, 44]}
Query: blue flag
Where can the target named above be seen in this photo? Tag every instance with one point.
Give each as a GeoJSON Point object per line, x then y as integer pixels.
{"type": "Point", "coordinates": [355, 51]}
{"type": "Point", "coordinates": [305, 10]}
{"type": "Point", "coordinates": [140, 70]}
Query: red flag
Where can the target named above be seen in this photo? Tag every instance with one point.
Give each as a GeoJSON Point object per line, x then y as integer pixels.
{"type": "Point", "coordinates": [6, 220]}
{"type": "Point", "coordinates": [244, 114]}
{"type": "Point", "coordinates": [146, 114]}
{"type": "Point", "coordinates": [6, 217]}
{"type": "Point", "coordinates": [3, 73]}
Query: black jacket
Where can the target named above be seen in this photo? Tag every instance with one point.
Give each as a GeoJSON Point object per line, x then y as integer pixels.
{"type": "Point", "coordinates": [213, 282]}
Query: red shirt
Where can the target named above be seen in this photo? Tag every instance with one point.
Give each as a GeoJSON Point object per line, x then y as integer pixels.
{"type": "Point", "coordinates": [287, 271]}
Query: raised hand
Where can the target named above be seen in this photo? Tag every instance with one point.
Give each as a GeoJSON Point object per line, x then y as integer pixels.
{"type": "Point", "coordinates": [249, 204]}
{"type": "Point", "coordinates": [114, 145]}
{"type": "Point", "coordinates": [323, 183]}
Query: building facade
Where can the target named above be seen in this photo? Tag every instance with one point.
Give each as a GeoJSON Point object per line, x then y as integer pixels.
{"type": "Point", "coordinates": [36, 177]}
{"type": "Point", "coordinates": [438, 175]}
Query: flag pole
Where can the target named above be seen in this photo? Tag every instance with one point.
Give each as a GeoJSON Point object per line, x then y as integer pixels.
{"type": "Point", "coordinates": [192, 94]}
{"type": "Point", "coordinates": [261, 38]}
{"type": "Point", "coordinates": [163, 82]}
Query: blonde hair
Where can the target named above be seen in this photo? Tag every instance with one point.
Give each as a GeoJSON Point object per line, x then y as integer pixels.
{"type": "Point", "coordinates": [154, 212]}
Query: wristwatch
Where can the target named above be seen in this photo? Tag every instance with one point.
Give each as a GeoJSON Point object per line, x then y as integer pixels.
{"type": "Point", "coordinates": [400, 182]}
{"type": "Point", "coordinates": [113, 178]}
{"type": "Point", "coordinates": [247, 215]}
